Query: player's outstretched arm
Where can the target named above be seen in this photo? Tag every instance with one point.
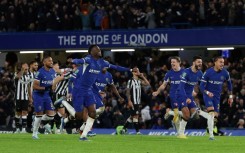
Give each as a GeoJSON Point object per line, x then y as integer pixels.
{"type": "Point", "coordinates": [161, 88]}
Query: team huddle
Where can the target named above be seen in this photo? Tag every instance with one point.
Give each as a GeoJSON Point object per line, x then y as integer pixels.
{"type": "Point", "coordinates": [50, 89]}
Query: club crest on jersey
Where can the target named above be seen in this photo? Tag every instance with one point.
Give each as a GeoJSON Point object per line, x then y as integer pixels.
{"type": "Point", "coordinates": [183, 75]}
{"type": "Point", "coordinates": [94, 71]}
{"type": "Point", "coordinates": [222, 78]}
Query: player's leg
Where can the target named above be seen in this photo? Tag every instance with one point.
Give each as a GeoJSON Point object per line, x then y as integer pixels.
{"type": "Point", "coordinates": [174, 105]}
{"type": "Point", "coordinates": [36, 124]}
{"type": "Point", "coordinates": [209, 103]}
{"type": "Point", "coordinates": [24, 115]}
{"type": "Point", "coordinates": [59, 116]}
{"type": "Point", "coordinates": [193, 110]}
{"type": "Point", "coordinates": [128, 121]}
{"type": "Point", "coordinates": [63, 101]}
{"type": "Point", "coordinates": [17, 116]}
{"type": "Point", "coordinates": [49, 114]}
{"type": "Point", "coordinates": [183, 122]}
{"type": "Point", "coordinates": [58, 120]}
{"type": "Point", "coordinates": [38, 109]}
{"type": "Point", "coordinates": [85, 117]}
{"type": "Point", "coordinates": [216, 115]}
{"type": "Point", "coordinates": [89, 102]}
{"type": "Point", "coordinates": [89, 122]}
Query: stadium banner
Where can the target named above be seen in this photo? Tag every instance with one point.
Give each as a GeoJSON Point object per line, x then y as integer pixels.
{"type": "Point", "coordinates": [189, 132]}
{"type": "Point", "coordinates": [122, 39]}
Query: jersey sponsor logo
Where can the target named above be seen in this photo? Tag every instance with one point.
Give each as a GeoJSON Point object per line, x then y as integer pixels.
{"type": "Point", "coordinates": [175, 82]}
{"type": "Point", "coordinates": [47, 82]}
{"type": "Point", "coordinates": [215, 82]}
{"type": "Point", "coordinates": [183, 75]}
{"type": "Point", "coordinates": [94, 71]}
{"type": "Point", "coordinates": [192, 83]}
{"type": "Point", "coordinates": [100, 84]}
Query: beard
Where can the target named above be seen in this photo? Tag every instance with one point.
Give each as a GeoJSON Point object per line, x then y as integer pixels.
{"type": "Point", "coordinates": [49, 66]}
{"type": "Point", "coordinates": [197, 67]}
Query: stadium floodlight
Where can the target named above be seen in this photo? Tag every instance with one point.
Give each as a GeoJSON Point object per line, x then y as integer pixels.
{"type": "Point", "coordinates": [221, 48]}
{"type": "Point", "coordinates": [122, 50]}
{"type": "Point", "coordinates": [171, 49]}
{"type": "Point", "coordinates": [76, 51]}
{"type": "Point", "coordinates": [31, 52]}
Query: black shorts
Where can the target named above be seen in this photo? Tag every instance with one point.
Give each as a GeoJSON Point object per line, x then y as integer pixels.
{"type": "Point", "coordinates": [136, 110]}
{"type": "Point", "coordinates": [56, 97]}
{"type": "Point", "coordinates": [21, 105]}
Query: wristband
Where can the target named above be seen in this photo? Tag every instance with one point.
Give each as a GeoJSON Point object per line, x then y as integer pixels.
{"type": "Point", "coordinates": [230, 96]}
{"type": "Point", "coordinates": [207, 92]}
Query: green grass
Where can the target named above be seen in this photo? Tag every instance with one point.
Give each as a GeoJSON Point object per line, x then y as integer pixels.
{"type": "Point", "coordinates": [23, 143]}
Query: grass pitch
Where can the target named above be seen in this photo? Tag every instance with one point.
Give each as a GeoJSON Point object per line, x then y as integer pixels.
{"type": "Point", "coordinates": [64, 143]}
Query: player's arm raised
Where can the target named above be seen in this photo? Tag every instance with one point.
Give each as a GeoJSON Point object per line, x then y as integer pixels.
{"type": "Point", "coordinates": [144, 82]}
{"type": "Point", "coordinates": [161, 88]}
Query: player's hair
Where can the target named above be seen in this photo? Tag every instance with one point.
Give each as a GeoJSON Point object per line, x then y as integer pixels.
{"type": "Point", "coordinates": [45, 57]}
{"type": "Point", "coordinates": [177, 58]}
{"type": "Point", "coordinates": [196, 57]}
{"type": "Point", "coordinates": [216, 58]}
{"type": "Point", "coordinates": [32, 62]}
{"type": "Point", "coordinates": [90, 48]}
{"type": "Point", "coordinates": [19, 65]}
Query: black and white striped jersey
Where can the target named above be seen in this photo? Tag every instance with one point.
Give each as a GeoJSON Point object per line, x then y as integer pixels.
{"type": "Point", "coordinates": [135, 90]}
{"type": "Point", "coordinates": [32, 77]}
{"type": "Point", "coordinates": [21, 84]}
{"type": "Point", "coordinates": [62, 86]}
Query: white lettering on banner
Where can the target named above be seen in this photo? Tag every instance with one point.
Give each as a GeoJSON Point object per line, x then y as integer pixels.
{"type": "Point", "coordinates": [94, 39]}
{"type": "Point", "coordinates": [145, 38]}
{"type": "Point", "coordinates": [67, 40]}
{"type": "Point", "coordinates": [194, 133]}
{"type": "Point", "coordinates": [115, 39]}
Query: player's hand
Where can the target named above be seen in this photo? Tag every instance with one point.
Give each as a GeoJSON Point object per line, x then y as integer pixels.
{"type": "Point", "coordinates": [188, 100]}
{"type": "Point", "coordinates": [69, 60]}
{"type": "Point", "coordinates": [155, 93]}
{"type": "Point", "coordinates": [210, 94]}
{"type": "Point", "coordinates": [141, 75]}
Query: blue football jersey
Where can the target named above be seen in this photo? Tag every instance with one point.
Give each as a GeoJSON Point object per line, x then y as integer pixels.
{"type": "Point", "coordinates": [188, 81]}
{"type": "Point", "coordinates": [102, 81]}
{"type": "Point", "coordinates": [45, 78]}
{"type": "Point", "coordinates": [173, 77]}
{"type": "Point", "coordinates": [212, 81]}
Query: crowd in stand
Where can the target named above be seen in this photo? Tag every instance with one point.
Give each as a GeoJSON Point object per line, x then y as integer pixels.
{"type": "Point", "coordinates": [153, 108]}
{"type": "Point", "coordinates": [53, 15]}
